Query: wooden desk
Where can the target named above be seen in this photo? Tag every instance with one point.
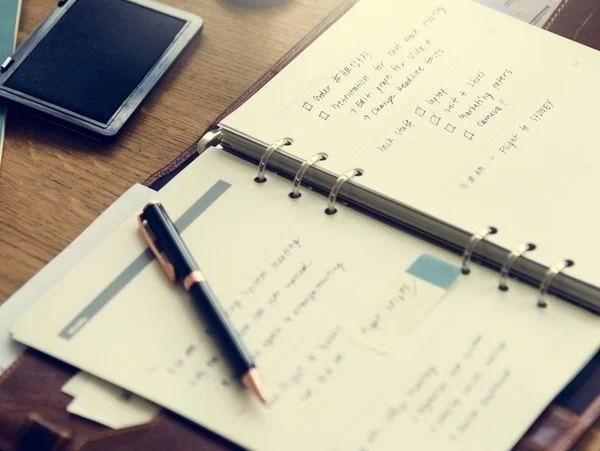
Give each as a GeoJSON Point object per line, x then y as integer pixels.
{"type": "Point", "coordinates": [53, 184]}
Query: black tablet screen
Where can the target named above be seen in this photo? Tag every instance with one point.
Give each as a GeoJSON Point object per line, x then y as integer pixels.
{"type": "Point", "coordinates": [95, 56]}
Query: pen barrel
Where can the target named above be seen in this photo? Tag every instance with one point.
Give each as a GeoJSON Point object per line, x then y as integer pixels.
{"type": "Point", "coordinates": [170, 240]}
{"type": "Point", "coordinates": [221, 329]}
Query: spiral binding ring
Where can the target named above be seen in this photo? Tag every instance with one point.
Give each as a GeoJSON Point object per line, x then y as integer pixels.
{"type": "Point", "coordinates": [549, 278]}
{"type": "Point", "coordinates": [262, 166]}
{"type": "Point", "coordinates": [211, 138]}
{"type": "Point", "coordinates": [338, 185]}
{"type": "Point", "coordinates": [295, 194]}
{"type": "Point", "coordinates": [510, 260]}
{"type": "Point", "coordinates": [475, 239]}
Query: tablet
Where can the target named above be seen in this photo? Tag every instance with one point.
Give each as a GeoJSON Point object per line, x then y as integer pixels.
{"type": "Point", "coordinates": [91, 63]}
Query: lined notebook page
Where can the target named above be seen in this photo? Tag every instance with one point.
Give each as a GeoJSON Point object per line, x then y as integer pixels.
{"type": "Point", "coordinates": [456, 110]}
{"type": "Point", "coordinates": [364, 335]}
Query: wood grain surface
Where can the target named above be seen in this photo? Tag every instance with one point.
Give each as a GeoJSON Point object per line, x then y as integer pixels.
{"type": "Point", "coordinates": [53, 183]}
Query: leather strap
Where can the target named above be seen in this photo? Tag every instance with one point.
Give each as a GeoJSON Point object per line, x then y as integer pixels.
{"type": "Point", "coordinates": [578, 20]}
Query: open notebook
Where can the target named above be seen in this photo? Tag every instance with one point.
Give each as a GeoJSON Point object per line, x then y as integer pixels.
{"type": "Point", "coordinates": [368, 337]}
{"type": "Point", "coordinates": [460, 118]}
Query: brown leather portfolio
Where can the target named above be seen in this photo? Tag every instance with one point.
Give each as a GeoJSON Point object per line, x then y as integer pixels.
{"type": "Point", "coordinates": [33, 415]}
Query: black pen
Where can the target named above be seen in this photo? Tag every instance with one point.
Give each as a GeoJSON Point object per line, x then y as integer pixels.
{"type": "Point", "coordinates": [177, 261]}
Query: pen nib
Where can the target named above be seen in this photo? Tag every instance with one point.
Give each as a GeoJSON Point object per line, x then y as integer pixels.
{"type": "Point", "coordinates": [253, 383]}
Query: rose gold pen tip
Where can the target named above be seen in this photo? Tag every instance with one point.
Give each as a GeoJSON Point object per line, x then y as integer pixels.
{"type": "Point", "coordinates": [253, 383]}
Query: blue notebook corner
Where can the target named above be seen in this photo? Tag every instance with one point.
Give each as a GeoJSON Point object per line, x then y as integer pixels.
{"type": "Point", "coordinates": [9, 22]}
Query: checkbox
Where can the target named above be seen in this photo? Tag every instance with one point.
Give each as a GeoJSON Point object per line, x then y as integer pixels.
{"type": "Point", "coordinates": [323, 115]}
{"type": "Point", "coordinates": [449, 128]}
{"type": "Point", "coordinates": [469, 135]}
{"type": "Point", "coordinates": [435, 120]}
{"type": "Point", "coordinates": [420, 111]}
{"type": "Point", "coordinates": [307, 106]}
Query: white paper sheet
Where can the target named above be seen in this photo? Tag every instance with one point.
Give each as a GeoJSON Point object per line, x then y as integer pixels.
{"type": "Point", "coordinates": [74, 385]}
{"type": "Point", "coordinates": [107, 404]}
{"type": "Point", "coordinates": [461, 112]}
{"type": "Point", "coordinates": [64, 262]}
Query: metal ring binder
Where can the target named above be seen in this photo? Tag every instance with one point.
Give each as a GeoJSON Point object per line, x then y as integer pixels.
{"type": "Point", "coordinates": [512, 257]}
{"type": "Point", "coordinates": [423, 225]}
{"type": "Point", "coordinates": [295, 194]}
{"type": "Point", "coordinates": [209, 139]}
{"type": "Point", "coordinates": [475, 239]}
{"type": "Point", "coordinates": [262, 166]}
{"type": "Point", "coordinates": [549, 278]}
{"type": "Point", "coordinates": [338, 185]}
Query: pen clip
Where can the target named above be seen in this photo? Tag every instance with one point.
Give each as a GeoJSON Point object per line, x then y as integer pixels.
{"type": "Point", "coordinates": [166, 264]}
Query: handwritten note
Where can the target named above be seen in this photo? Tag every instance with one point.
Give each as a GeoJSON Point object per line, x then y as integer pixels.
{"type": "Point", "coordinates": [310, 301]}
{"type": "Point", "coordinates": [445, 400]}
{"type": "Point", "coordinates": [445, 104]}
{"type": "Point", "coordinates": [401, 301]}
{"type": "Point", "coordinates": [370, 83]}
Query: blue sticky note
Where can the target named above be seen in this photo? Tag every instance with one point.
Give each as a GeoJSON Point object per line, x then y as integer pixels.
{"type": "Point", "coordinates": [435, 271]}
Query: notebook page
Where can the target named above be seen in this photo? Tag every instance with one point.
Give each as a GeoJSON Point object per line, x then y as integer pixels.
{"type": "Point", "coordinates": [347, 318]}
{"type": "Point", "coordinates": [456, 110]}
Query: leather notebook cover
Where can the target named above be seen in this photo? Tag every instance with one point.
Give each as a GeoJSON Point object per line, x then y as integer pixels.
{"type": "Point", "coordinates": [33, 415]}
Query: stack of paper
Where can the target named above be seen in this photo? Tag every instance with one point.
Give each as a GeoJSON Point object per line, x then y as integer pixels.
{"type": "Point", "coordinates": [107, 404]}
